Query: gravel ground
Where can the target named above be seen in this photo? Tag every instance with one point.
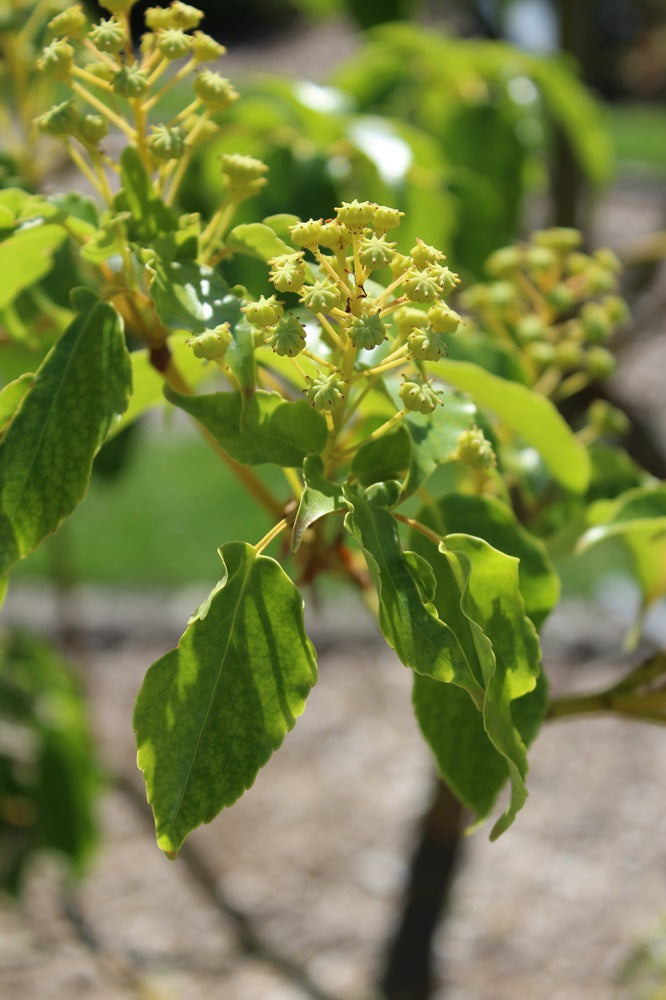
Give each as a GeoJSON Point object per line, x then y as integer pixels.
{"type": "Point", "coordinates": [315, 855]}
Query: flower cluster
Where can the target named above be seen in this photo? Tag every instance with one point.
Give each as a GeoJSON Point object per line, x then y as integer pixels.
{"type": "Point", "coordinates": [553, 305]}
{"type": "Point", "coordinates": [113, 86]}
{"type": "Point", "coordinates": [372, 309]}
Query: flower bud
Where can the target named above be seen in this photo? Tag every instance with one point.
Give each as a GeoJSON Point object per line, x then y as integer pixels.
{"type": "Point", "coordinates": [599, 363]}
{"type": "Point", "coordinates": [173, 43]}
{"type": "Point", "coordinates": [243, 173]}
{"type": "Point", "coordinates": [616, 309]}
{"type": "Point", "coordinates": [425, 344]}
{"type": "Point", "coordinates": [474, 449]}
{"type": "Point", "coordinates": [288, 337]}
{"type": "Point", "coordinates": [419, 396]}
{"type": "Point", "coordinates": [540, 258]}
{"type": "Point", "coordinates": [325, 391]}
{"type": "Point", "coordinates": [608, 260]}
{"type": "Point", "coordinates": [542, 353]}
{"type": "Point", "coordinates": [306, 234]}
{"type": "Point", "coordinates": [423, 254]}
{"type": "Point", "coordinates": [375, 252]}
{"type": "Point", "coordinates": [108, 36]}
{"type": "Point", "coordinates": [70, 21]}
{"type": "Point", "coordinates": [92, 129]}
{"type": "Point", "coordinates": [130, 81]}
{"type": "Point", "coordinates": [184, 16]}
{"type": "Point", "coordinates": [444, 276]}
{"type": "Point", "coordinates": [400, 264]}
{"type": "Point", "coordinates": [263, 312]}
{"type": "Point", "coordinates": [157, 18]}
{"type": "Point", "coordinates": [562, 239]}
{"type": "Point", "coordinates": [356, 215]}
{"type": "Point", "coordinates": [561, 297]}
{"type": "Point", "coordinates": [596, 324]}
{"type": "Point", "coordinates": [406, 318]}
{"type": "Point", "coordinates": [214, 90]}
{"type": "Point", "coordinates": [57, 60]}
{"type": "Point", "coordinates": [60, 120]}
{"type": "Point", "coordinates": [166, 143]}
{"type": "Point", "coordinates": [505, 261]}
{"type": "Point", "coordinates": [211, 345]}
{"type": "Point", "coordinates": [442, 319]}
{"type": "Point", "coordinates": [385, 218]}
{"type": "Point", "coordinates": [288, 272]}
{"type": "Point", "coordinates": [530, 328]}
{"type": "Point", "coordinates": [420, 287]}
{"type": "Point", "coordinates": [335, 236]}
{"type": "Point", "coordinates": [321, 297]}
{"type": "Point", "coordinates": [569, 354]}
{"type": "Point", "coordinates": [367, 331]}
{"type": "Point", "coordinates": [205, 48]}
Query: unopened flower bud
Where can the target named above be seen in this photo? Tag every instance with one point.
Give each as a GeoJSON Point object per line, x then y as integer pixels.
{"type": "Point", "coordinates": [505, 261]}
{"type": "Point", "coordinates": [70, 21]}
{"type": "Point", "coordinates": [321, 297]}
{"type": "Point", "coordinates": [288, 272]}
{"type": "Point", "coordinates": [306, 234]}
{"type": "Point", "coordinates": [474, 449]}
{"type": "Point", "coordinates": [211, 345]}
{"type": "Point", "coordinates": [157, 18]}
{"type": "Point", "coordinates": [608, 419]}
{"type": "Point", "coordinates": [530, 328]}
{"type": "Point", "coordinates": [367, 331]}
{"type": "Point", "coordinates": [325, 391]}
{"type": "Point", "coordinates": [166, 143]}
{"type": "Point", "coordinates": [108, 36]}
{"type": "Point", "coordinates": [425, 344]}
{"type": "Point", "coordinates": [444, 276]}
{"type": "Point", "coordinates": [57, 60]}
{"type": "Point", "coordinates": [423, 254]}
{"type": "Point", "coordinates": [184, 16]}
{"type": "Point", "coordinates": [60, 120]}
{"type": "Point", "coordinates": [420, 287]}
{"type": "Point", "coordinates": [442, 319]}
{"type": "Point", "coordinates": [263, 312]}
{"type": "Point", "coordinates": [561, 297]}
{"type": "Point", "coordinates": [385, 218]}
{"type": "Point", "coordinates": [205, 48]}
{"type": "Point", "coordinates": [406, 318]}
{"type": "Point", "coordinates": [118, 6]}
{"type": "Point", "coordinates": [356, 215]}
{"type": "Point", "coordinates": [130, 81]}
{"type": "Point", "coordinates": [596, 324]}
{"type": "Point", "coordinates": [288, 337]}
{"type": "Point", "coordinates": [562, 239]}
{"type": "Point", "coordinates": [375, 252]}
{"type": "Point", "coordinates": [419, 396]}
{"type": "Point", "coordinates": [569, 354]}
{"type": "Point", "coordinates": [599, 363]}
{"type": "Point", "coordinates": [214, 90]}
{"type": "Point", "coordinates": [335, 236]}
{"type": "Point", "coordinates": [173, 43]}
{"type": "Point", "coordinates": [92, 129]}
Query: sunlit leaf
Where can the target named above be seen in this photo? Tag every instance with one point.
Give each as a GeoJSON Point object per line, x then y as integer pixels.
{"type": "Point", "coordinates": [319, 498]}
{"type": "Point", "coordinates": [211, 712]}
{"type": "Point", "coordinates": [25, 257]}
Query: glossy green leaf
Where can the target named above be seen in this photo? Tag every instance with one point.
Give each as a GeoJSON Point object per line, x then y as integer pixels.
{"type": "Point", "coordinates": [148, 216]}
{"type": "Point", "coordinates": [478, 593]}
{"type": "Point", "coordinates": [47, 453]}
{"type": "Point", "coordinates": [494, 522]}
{"type": "Point", "coordinates": [531, 416]}
{"type": "Point", "coordinates": [384, 459]}
{"type": "Point", "coordinates": [11, 395]}
{"type": "Point", "coordinates": [257, 240]}
{"type": "Point", "coordinates": [267, 428]}
{"type": "Point", "coordinates": [638, 521]}
{"type": "Point", "coordinates": [211, 712]}
{"type": "Point", "coordinates": [422, 641]}
{"type": "Point", "coordinates": [319, 498]}
{"type": "Point", "coordinates": [27, 256]}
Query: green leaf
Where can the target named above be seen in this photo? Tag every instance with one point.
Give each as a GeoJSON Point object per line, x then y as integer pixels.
{"type": "Point", "coordinates": [148, 215]}
{"type": "Point", "coordinates": [319, 498]}
{"type": "Point", "coordinates": [386, 458]}
{"type": "Point", "coordinates": [257, 240]}
{"type": "Point", "coordinates": [531, 416]}
{"type": "Point", "coordinates": [212, 711]}
{"type": "Point", "coordinates": [27, 256]}
{"type": "Point", "coordinates": [11, 395]}
{"type": "Point", "coordinates": [637, 520]}
{"type": "Point", "coordinates": [47, 452]}
{"type": "Point", "coordinates": [422, 641]}
{"type": "Point", "coordinates": [267, 428]}
{"type": "Point", "coordinates": [493, 521]}
{"type": "Point", "coordinates": [478, 593]}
